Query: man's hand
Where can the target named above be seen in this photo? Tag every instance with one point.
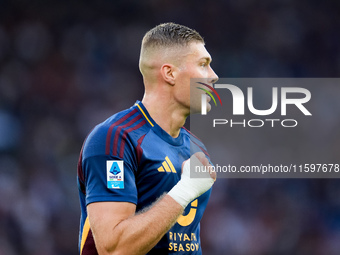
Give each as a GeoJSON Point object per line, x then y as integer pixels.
{"type": "Point", "coordinates": [203, 161]}
{"type": "Point", "coordinates": [189, 188]}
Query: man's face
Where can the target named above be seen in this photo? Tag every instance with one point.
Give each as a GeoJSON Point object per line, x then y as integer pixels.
{"type": "Point", "coordinates": [195, 64]}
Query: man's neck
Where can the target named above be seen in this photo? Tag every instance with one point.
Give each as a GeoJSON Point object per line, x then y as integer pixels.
{"type": "Point", "coordinates": [166, 114]}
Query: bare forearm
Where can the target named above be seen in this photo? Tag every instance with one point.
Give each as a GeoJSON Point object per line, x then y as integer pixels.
{"type": "Point", "coordinates": [140, 233]}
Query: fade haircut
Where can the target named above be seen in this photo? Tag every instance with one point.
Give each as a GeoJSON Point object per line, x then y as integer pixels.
{"type": "Point", "coordinates": [170, 34]}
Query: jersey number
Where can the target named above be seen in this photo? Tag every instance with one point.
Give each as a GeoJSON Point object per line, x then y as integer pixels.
{"type": "Point", "coordinates": [186, 220]}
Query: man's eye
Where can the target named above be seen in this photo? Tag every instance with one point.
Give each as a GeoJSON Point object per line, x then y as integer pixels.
{"type": "Point", "coordinates": [204, 64]}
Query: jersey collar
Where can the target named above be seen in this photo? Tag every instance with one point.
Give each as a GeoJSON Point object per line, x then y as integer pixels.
{"type": "Point", "coordinates": [157, 129]}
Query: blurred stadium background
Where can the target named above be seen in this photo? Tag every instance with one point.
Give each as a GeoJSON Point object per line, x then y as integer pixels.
{"type": "Point", "coordinates": [67, 65]}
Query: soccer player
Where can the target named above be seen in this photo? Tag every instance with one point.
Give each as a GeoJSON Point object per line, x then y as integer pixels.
{"type": "Point", "coordinates": [135, 192]}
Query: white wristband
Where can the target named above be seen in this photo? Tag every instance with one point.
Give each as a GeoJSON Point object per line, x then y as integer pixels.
{"type": "Point", "coordinates": [187, 189]}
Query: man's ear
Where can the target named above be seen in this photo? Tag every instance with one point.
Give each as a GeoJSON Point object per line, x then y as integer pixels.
{"type": "Point", "coordinates": [169, 72]}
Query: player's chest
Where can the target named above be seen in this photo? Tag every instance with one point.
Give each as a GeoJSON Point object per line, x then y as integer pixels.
{"type": "Point", "coordinates": [161, 160]}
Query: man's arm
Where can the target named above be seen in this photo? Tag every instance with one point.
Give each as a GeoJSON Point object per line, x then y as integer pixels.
{"type": "Point", "coordinates": [118, 230]}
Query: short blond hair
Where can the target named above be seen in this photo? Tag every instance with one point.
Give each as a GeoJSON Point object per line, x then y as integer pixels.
{"type": "Point", "coordinates": [170, 34]}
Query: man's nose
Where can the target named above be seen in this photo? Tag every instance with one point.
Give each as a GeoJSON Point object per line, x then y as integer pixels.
{"type": "Point", "coordinates": [214, 77]}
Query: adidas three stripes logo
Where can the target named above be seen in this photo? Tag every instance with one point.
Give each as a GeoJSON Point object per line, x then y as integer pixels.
{"type": "Point", "coordinates": [167, 166]}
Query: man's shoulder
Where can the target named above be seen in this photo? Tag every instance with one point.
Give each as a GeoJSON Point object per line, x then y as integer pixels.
{"type": "Point", "coordinates": [195, 142]}
{"type": "Point", "coordinates": [191, 136]}
{"type": "Point", "coordinates": [107, 136]}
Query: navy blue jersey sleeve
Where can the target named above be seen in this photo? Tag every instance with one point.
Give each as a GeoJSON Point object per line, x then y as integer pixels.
{"type": "Point", "coordinates": [97, 171]}
{"type": "Point", "coordinates": [108, 177]}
